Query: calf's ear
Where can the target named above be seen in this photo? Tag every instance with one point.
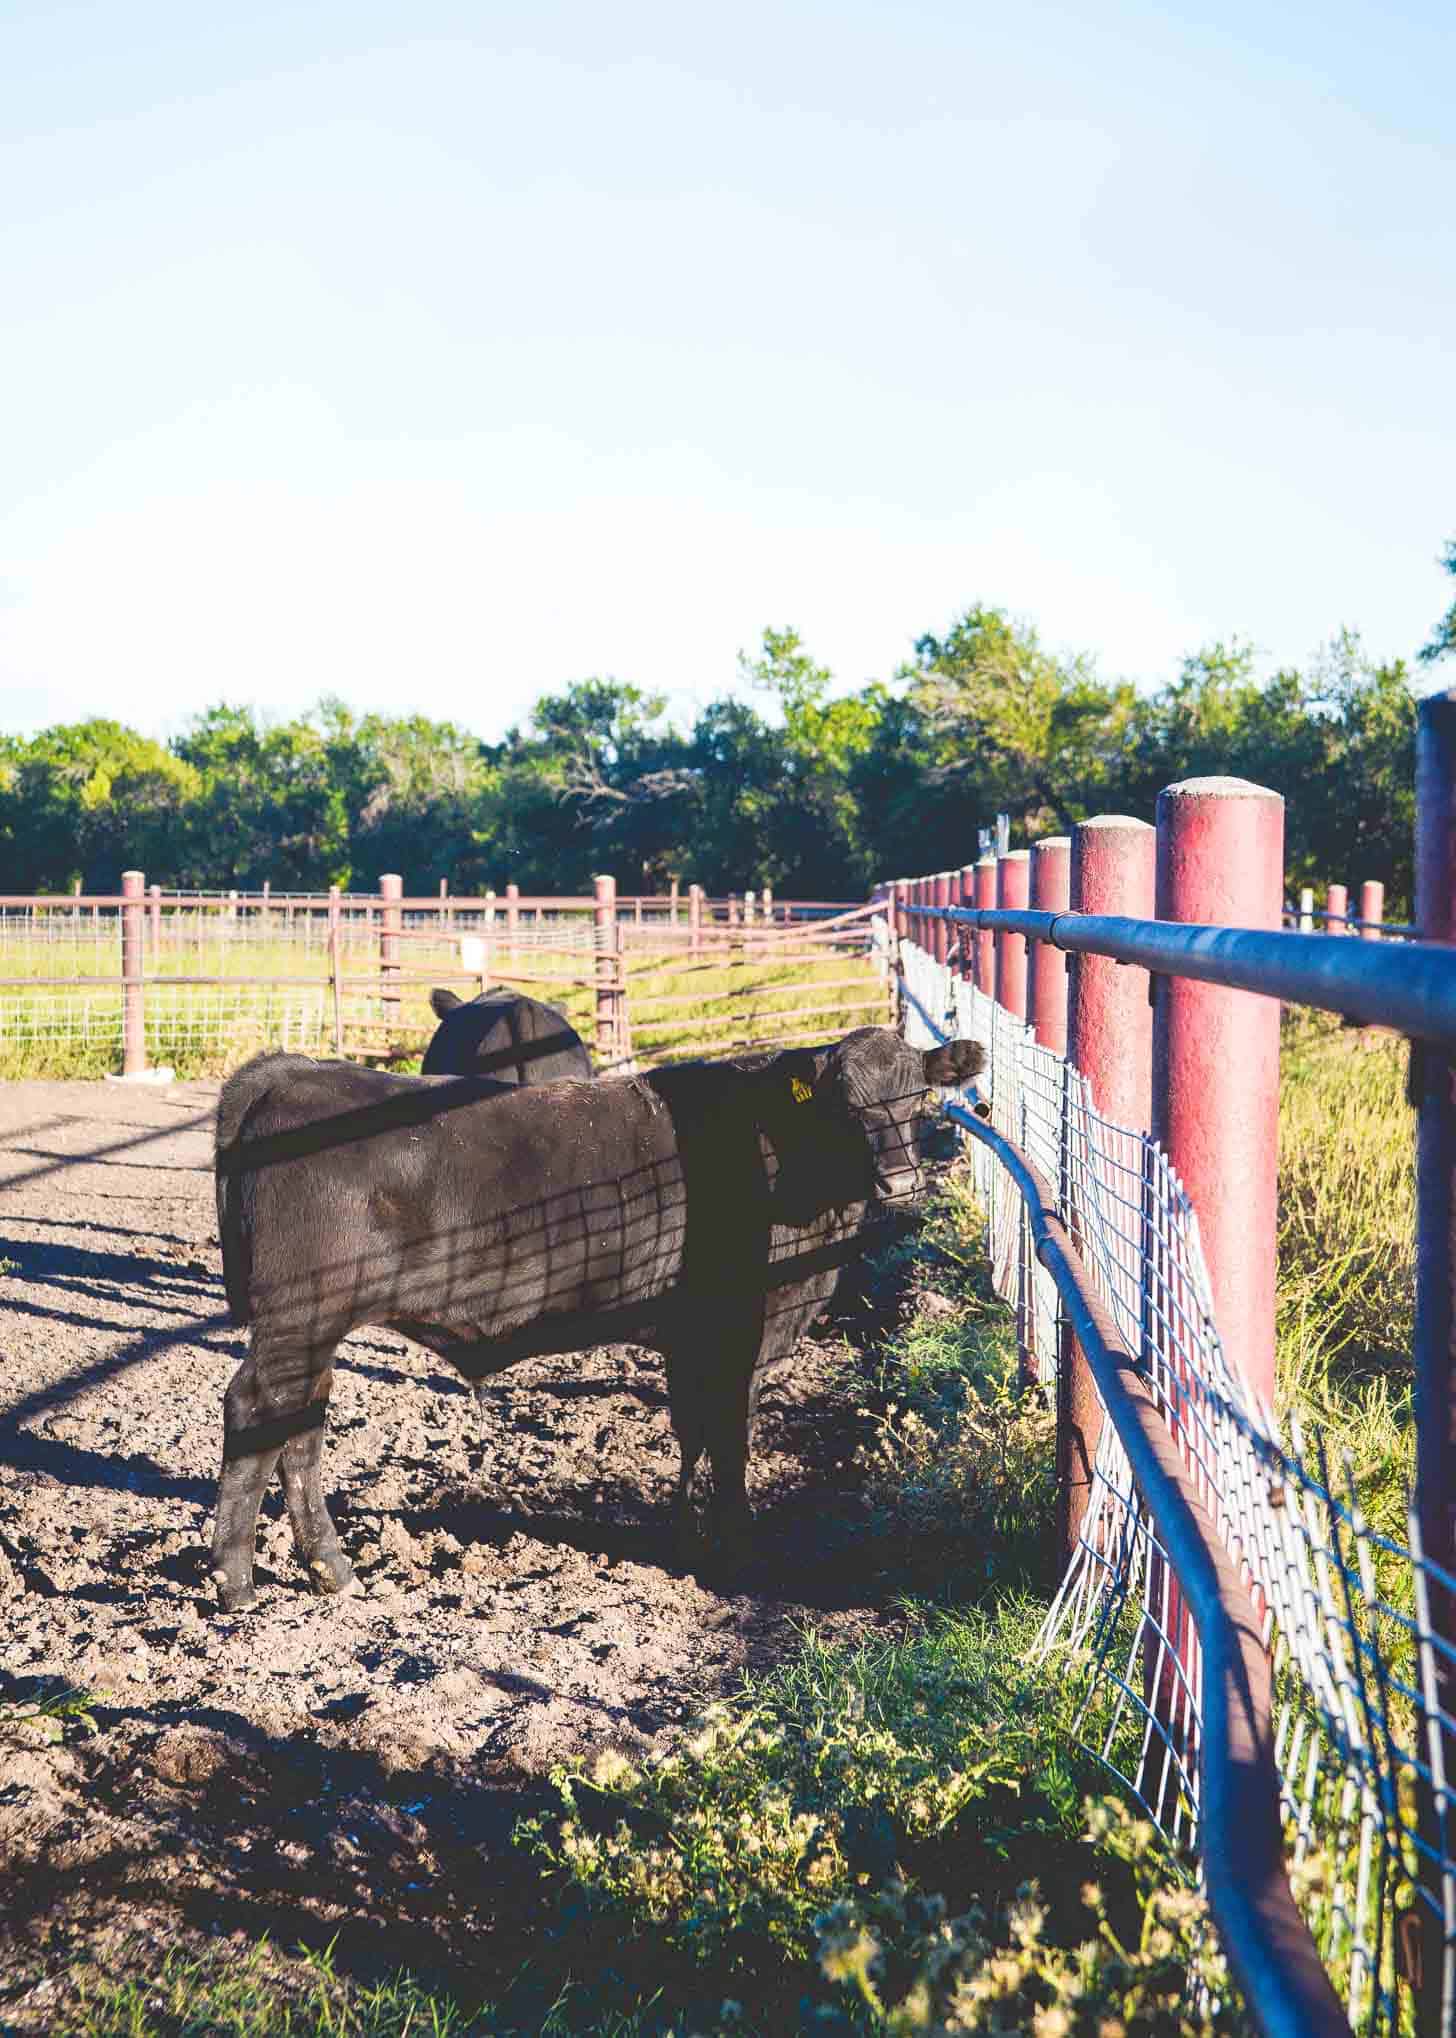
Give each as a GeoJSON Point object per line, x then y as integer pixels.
{"type": "Point", "coordinates": [954, 1063]}
{"type": "Point", "coordinates": [442, 1002]}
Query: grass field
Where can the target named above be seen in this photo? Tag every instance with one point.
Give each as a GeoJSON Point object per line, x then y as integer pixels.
{"type": "Point", "coordinates": [677, 1005]}
{"type": "Point", "coordinates": [903, 1836]}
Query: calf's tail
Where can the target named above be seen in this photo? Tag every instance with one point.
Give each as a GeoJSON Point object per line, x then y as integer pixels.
{"type": "Point", "coordinates": [237, 1252]}
{"type": "Point", "coordinates": [240, 1093]}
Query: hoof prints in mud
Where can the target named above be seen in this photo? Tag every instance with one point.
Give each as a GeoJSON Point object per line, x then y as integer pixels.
{"type": "Point", "coordinates": [313, 1760]}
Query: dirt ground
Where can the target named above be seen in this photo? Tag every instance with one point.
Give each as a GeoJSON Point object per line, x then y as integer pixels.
{"type": "Point", "coordinates": [330, 1768]}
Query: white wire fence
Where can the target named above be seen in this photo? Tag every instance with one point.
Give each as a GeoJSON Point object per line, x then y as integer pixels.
{"type": "Point", "coordinates": [1345, 1612]}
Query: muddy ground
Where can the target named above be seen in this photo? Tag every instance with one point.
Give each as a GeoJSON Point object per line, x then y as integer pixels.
{"type": "Point", "coordinates": [346, 1768]}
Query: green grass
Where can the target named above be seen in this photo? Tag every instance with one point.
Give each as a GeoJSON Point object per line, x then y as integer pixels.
{"type": "Point", "coordinates": [46, 1713]}
{"type": "Point", "coordinates": [961, 1470]}
{"type": "Point", "coordinates": [262, 1993]}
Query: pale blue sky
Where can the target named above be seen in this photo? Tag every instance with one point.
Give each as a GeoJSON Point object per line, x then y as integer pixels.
{"type": "Point", "coordinates": [436, 355]}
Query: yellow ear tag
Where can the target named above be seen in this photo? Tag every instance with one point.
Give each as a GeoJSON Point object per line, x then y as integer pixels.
{"type": "Point", "coordinates": [800, 1090]}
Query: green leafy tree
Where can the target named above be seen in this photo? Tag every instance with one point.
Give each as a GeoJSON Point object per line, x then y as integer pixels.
{"type": "Point", "coordinates": [1443, 637]}
{"type": "Point", "coordinates": [1034, 736]}
{"type": "Point", "coordinates": [270, 806]}
{"type": "Point", "coordinates": [813, 841]}
{"type": "Point", "coordinates": [86, 800]}
{"type": "Point", "coordinates": [1216, 720]}
{"type": "Point", "coordinates": [818, 794]}
{"type": "Point", "coordinates": [597, 782]}
{"type": "Point", "coordinates": [1357, 819]}
{"type": "Point", "coordinates": [419, 791]}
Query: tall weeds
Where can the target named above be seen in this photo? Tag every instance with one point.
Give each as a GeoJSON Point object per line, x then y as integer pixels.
{"type": "Point", "coordinates": [1347, 1251]}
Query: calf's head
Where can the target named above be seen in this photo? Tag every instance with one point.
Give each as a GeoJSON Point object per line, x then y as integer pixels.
{"type": "Point", "coordinates": [867, 1128]}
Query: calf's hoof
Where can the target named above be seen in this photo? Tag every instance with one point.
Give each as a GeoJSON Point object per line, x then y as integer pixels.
{"type": "Point", "coordinates": [329, 1572]}
{"type": "Point", "coordinates": [234, 1595]}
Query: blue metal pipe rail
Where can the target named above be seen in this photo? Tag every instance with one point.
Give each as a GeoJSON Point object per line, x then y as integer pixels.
{"type": "Point", "coordinates": [1407, 985]}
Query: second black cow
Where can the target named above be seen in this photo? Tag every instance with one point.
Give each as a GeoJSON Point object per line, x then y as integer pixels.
{"type": "Point", "coordinates": [504, 1034]}
{"type": "Point", "coordinates": [705, 1209]}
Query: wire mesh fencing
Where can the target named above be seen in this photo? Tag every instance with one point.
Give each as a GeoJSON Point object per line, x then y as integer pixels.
{"type": "Point", "coordinates": [1346, 1612]}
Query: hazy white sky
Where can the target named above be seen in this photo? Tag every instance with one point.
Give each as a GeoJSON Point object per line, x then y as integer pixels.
{"type": "Point", "coordinates": [436, 355]}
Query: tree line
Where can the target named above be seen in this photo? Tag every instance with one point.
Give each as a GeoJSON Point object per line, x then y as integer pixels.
{"type": "Point", "coordinates": [784, 780]}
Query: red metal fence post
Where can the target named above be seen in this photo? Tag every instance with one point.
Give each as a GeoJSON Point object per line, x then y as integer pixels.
{"type": "Point", "coordinates": [391, 890]}
{"type": "Point", "coordinates": [154, 919]}
{"type": "Point", "coordinates": [984, 941]}
{"type": "Point", "coordinates": [1051, 877]}
{"type": "Point", "coordinates": [1433, 1085]}
{"type": "Point", "coordinates": [336, 970]}
{"type": "Point", "coordinates": [1372, 908]}
{"type": "Point", "coordinates": [1216, 1054]}
{"type": "Point", "coordinates": [900, 890]}
{"type": "Point", "coordinates": [1013, 888]}
{"type": "Point", "coordinates": [695, 918]}
{"type": "Point", "coordinates": [1220, 860]}
{"type": "Point", "coordinates": [1109, 1019]}
{"type": "Point", "coordinates": [966, 897]}
{"type": "Point", "coordinates": [940, 929]}
{"type": "Point", "coordinates": [513, 921]}
{"type": "Point", "coordinates": [1110, 1040]}
{"type": "Point", "coordinates": [133, 992]}
{"type": "Point", "coordinates": [604, 890]}
{"type": "Point", "coordinates": [1336, 906]}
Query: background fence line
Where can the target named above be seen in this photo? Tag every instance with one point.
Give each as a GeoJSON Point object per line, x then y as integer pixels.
{"type": "Point", "coordinates": [149, 977]}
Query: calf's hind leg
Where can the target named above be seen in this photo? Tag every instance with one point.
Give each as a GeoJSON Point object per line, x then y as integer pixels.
{"type": "Point", "coordinates": [277, 1397]}
{"type": "Point", "coordinates": [317, 1540]}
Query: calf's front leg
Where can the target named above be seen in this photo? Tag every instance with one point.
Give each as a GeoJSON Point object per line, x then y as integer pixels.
{"type": "Point", "coordinates": [727, 1401]}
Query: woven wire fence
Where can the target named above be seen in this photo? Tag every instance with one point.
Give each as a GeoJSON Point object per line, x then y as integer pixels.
{"type": "Point", "coordinates": [1346, 1611]}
